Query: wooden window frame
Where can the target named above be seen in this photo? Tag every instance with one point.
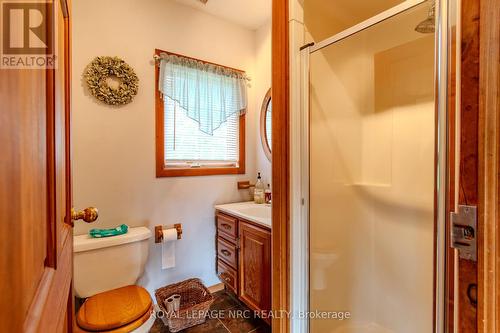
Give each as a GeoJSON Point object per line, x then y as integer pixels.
{"type": "Point", "coordinates": [161, 169]}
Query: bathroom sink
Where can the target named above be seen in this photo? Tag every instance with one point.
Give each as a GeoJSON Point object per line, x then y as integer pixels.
{"type": "Point", "coordinates": [258, 213]}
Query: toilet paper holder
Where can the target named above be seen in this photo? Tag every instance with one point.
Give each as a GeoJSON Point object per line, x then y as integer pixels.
{"type": "Point", "coordinates": [159, 232]}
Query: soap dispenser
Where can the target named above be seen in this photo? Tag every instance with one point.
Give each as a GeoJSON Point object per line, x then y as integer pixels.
{"type": "Point", "coordinates": [258, 194]}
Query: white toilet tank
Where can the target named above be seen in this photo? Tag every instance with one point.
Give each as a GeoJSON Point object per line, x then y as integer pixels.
{"type": "Point", "coordinates": [102, 264]}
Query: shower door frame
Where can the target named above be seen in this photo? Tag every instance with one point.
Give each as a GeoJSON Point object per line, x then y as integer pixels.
{"type": "Point", "coordinates": [440, 321]}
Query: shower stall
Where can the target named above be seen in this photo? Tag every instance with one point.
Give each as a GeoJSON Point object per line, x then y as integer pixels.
{"type": "Point", "coordinates": [375, 100]}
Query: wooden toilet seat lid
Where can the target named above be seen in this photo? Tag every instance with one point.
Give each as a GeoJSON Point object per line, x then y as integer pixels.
{"type": "Point", "coordinates": [114, 308]}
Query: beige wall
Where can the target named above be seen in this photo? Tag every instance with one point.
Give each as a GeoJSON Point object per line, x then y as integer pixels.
{"type": "Point", "coordinates": [263, 83]}
{"type": "Point", "coordinates": [372, 172]}
{"type": "Point", "coordinates": [326, 18]}
{"type": "Point", "coordinates": [113, 147]}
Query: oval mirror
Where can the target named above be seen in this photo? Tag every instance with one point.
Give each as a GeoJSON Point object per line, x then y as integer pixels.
{"type": "Point", "coordinates": [266, 128]}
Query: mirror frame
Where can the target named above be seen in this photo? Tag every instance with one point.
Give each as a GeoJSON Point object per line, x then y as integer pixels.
{"type": "Point", "coordinates": [263, 136]}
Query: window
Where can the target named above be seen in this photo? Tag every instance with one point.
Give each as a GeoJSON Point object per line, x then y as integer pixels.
{"type": "Point", "coordinates": [185, 144]}
{"type": "Point", "coordinates": [200, 119]}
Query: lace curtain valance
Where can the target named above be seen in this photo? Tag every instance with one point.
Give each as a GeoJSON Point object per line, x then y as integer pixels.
{"type": "Point", "coordinates": [208, 93]}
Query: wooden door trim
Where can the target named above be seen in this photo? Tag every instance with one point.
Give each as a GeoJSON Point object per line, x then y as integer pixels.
{"type": "Point", "coordinates": [280, 166]}
{"type": "Point", "coordinates": [488, 317]}
{"type": "Point", "coordinates": [51, 259]}
{"type": "Point", "coordinates": [468, 156]}
{"type": "Point", "coordinates": [67, 98]}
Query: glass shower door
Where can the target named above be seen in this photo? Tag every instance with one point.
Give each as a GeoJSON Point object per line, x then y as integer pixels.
{"type": "Point", "coordinates": [372, 171]}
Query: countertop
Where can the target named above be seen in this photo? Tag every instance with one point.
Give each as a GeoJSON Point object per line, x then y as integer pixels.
{"type": "Point", "coordinates": [249, 210]}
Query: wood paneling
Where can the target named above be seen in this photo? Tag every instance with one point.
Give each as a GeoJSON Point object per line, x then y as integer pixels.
{"type": "Point", "coordinates": [161, 169]}
{"type": "Point", "coordinates": [281, 165]}
{"type": "Point", "coordinates": [489, 169]}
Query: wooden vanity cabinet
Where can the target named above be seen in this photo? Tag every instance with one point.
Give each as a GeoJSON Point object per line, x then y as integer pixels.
{"type": "Point", "coordinates": [254, 270]}
{"type": "Point", "coordinates": [244, 260]}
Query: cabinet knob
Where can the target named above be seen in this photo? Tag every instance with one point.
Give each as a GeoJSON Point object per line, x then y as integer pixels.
{"type": "Point", "coordinates": [227, 278]}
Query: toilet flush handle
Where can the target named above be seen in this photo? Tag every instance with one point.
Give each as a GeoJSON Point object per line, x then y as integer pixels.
{"type": "Point", "coordinates": [88, 215]}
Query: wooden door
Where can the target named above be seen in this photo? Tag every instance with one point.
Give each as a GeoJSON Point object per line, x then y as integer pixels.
{"type": "Point", "coordinates": [254, 266]}
{"type": "Point", "coordinates": [474, 292]}
{"type": "Point", "coordinates": [35, 191]}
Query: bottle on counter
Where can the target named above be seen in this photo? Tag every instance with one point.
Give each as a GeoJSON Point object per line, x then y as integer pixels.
{"type": "Point", "coordinates": [258, 194]}
{"type": "Point", "coordinates": [267, 194]}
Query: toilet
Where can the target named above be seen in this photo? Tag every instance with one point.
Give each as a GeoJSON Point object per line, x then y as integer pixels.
{"type": "Point", "coordinates": [105, 273]}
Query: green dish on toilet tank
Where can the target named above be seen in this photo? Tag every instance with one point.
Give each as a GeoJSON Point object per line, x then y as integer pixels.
{"type": "Point", "coordinates": [99, 233]}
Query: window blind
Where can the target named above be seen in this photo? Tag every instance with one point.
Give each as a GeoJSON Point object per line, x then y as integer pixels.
{"type": "Point", "coordinates": [209, 94]}
{"type": "Point", "coordinates": [188, 146]}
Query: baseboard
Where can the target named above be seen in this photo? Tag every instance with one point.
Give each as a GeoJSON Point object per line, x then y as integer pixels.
{"type": "Point", "coordinates": [216, 287]}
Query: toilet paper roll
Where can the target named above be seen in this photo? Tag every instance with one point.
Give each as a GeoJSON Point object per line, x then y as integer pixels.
{"type": "Point", "coordinates": [177, 302]}
{"type": "Point", "coordinates": [168, 248]}
{"type": "Point", "coordinates": [170, 305]}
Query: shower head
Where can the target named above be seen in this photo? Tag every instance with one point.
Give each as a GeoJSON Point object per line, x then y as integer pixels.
{"type": "Point", "coordinates": [427, 26]}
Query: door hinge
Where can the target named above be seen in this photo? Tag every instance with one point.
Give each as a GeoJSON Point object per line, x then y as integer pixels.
{"type": "Point", "coordinates": [464, 231]}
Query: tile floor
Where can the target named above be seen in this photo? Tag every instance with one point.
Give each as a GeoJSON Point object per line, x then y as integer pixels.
{"type": "Point", "coordinates": [226, 306]}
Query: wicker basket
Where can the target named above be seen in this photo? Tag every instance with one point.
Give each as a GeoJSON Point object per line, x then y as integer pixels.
{"type": "Point", "coordinates": [195, 303]}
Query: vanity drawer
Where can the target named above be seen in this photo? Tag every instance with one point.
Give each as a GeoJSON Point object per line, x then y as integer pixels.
{"type": "Point", "coordinates": [227, 252]}
{"type": "Point", "coordinates": [228, 276]}
{"type": "Point", "coordinates": [227, 226]}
